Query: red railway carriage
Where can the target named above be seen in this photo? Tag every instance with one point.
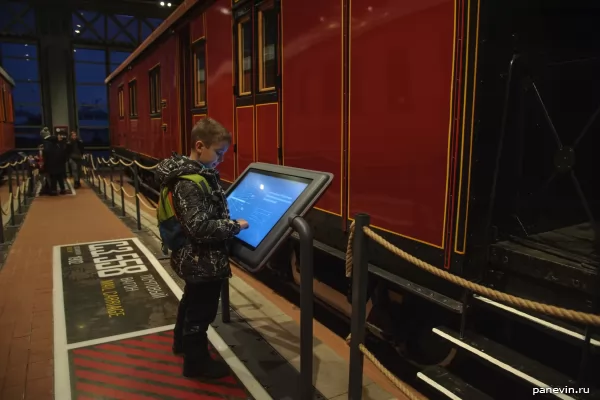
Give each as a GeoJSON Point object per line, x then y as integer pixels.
{"type": "Point", "coordinates": [7, 116]}
{"type": "Point", "coordinates": [453, 123]}
{"type": "Point", "coordinates": [291, 68]}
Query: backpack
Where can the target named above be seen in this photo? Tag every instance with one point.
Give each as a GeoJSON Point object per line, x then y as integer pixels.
{"type": "Point", "coordinates": [171, 232]}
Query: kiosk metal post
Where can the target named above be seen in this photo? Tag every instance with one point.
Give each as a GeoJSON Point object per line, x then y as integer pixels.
{"type": "Point", "coordinates": [273, 198]}
{"type": "Point", "coordinates": [305, 233]}
{"type": "Point", "coordinates": [360, 273]}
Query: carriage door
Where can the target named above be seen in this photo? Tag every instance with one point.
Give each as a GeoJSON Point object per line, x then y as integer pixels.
{"type": "Point", "coordinates": [184, 84]}
{"type": "Point", "coordinates": [257, 88]}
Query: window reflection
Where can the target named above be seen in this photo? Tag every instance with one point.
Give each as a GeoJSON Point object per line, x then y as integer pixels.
{"type": "Point", "coordinates": [245, 56]}
{"type": "Point", "coordinates": [268, 27]}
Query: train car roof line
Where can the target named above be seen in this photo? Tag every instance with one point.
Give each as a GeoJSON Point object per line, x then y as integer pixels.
{"type": "Point", "coordinates": [7, 76]}
{"type": "Point", "coordinates": [157, 33]}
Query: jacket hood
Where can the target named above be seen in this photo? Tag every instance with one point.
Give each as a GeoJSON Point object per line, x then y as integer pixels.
{"type": "Point", "coordinates": [178, 165]}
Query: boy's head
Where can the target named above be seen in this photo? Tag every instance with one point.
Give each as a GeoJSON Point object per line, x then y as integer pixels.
{"type": "Point", "coordinates": [210, 141]}
{"type": "Point", "coordinates": [73, 135]}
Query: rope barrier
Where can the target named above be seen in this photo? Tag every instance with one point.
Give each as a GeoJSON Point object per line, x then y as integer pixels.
{"type": "Point", "coordinates": [146, 168]}
{"type": "Point", "coordinates": [144, 203]}
{"type": "Point", "coordinates": [10, 201]}
{"type": "Point", "coordinates": [13, 164]}
{"type": "Point", "coordinates": [407, 390]}
{"type": "Point", "coordinates": [554, 311]}
{"type": "Point", "coordinates": [127, 194]}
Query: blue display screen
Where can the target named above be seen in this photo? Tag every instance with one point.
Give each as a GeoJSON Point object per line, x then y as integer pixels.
{"type": "Point", "coordinates": [262, 200]}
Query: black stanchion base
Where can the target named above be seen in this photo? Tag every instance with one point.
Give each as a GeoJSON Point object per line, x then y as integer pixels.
{"type": "Point", "coordinates": [16, 221]}
{"type": "Point", "coordinates": [10, 233]}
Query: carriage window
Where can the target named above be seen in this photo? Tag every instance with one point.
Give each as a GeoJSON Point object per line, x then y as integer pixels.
{"type": "Point", "coordinates": [200, 74]}
{"type": "Point", "coordinates": [133, 110]}
{"type": "Point", "coordinates": [245, 56]}
{"type": "Point", "coordinates": [155, 101]}
{"type": "Point", "coordinates": [267, 43]}
{"type": "Point", "coordinates": [121, 103]}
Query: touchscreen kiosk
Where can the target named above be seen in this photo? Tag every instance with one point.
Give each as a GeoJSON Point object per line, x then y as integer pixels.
{"type": "Point", "coordinates": [266, 195]}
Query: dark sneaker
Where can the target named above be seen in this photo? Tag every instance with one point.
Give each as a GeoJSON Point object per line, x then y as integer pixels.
{"type": "Point", "coordinates": [204, 368]}
{"type": "Point", "coordinates": [177, 349]}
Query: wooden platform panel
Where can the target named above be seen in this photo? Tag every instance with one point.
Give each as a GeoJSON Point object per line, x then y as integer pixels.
{"type": "Point", "coordinates": [26, 330]}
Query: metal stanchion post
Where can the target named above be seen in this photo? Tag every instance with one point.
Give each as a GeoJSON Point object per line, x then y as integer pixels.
{"type": "Point", "coordinates": [99, 178]}
{"type": "Point", "coordinates": [136, 181]}
{"type": "Point", "coordinates": [12, 203]}
{"type": "Point", "coordinates": [2, 238]}
{"type": "Point", "coordinates": [360, 274]}
{"type": "Point", "coordinates": [123, 213]}
{"type": "Point", "coordinates": [31, 186]}
{"type": "Point", "coordinates": [104, 184]}
{"type": "Point", "coordinates": [18, 190]}
{"type": "Point", "coordinates": [225, 314]}
{"type": "Point", "coordinates": [25, 183]}
{"type": "Point", "coordinates": [306, 305]}
{"type": "Point", "coordinates": [112, 190]}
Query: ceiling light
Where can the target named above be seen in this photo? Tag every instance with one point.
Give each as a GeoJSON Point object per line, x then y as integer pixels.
{"type": "Point", "coordinates": [162, 3]}
{"type": "Point", "coordinates": [76, 31]}
{"type": "Point", "coordinates": [168, 4]}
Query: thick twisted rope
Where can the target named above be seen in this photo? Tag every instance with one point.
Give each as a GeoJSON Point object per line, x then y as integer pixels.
{"type": "Point", "coordinates": [554, 311]}
{"type": "Point", "coordinates": [145, 167]}
{"type": "Point", "coordinates": [141, 198]}
{"type": "Point", "coordinates": [9, 203]}
{"type": "Point", "coordinates": [126, 194]}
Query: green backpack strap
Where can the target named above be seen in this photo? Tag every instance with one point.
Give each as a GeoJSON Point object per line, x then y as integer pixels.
{"type": "Point", "coordinates": [165, 208]}
{"type": "Point", "coordinates": [198, 180]}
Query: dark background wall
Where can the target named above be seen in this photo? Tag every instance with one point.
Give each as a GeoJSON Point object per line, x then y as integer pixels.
{"type": "Point", "coordinates": [59, 52]}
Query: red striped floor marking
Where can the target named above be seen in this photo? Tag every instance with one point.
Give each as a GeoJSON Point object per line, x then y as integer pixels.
{"type": "Point", "coordinates": [114, 393]}
{"type": "Point", "coordinates": [143, 368]}
{"type": "Point", "coordinates": [154, 377]}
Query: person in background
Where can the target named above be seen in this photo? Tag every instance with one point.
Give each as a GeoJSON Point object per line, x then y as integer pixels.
{"type": "Point", "coordinates": [75, 151]}
{"type": "Point", "coordinates": [46, 136]}
{"type": "Point", "coordinates": [62, 143]}
{"type": "Point", "coordinates": [53, 154]}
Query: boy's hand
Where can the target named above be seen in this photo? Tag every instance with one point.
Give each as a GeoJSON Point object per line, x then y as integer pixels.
{"type": "Point", "coordinates": [243, 223]}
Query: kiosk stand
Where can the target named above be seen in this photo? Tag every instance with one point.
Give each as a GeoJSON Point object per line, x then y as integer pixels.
{"type": "Point", "coordinates": [306, 305]}
{"type": "Point", "coordinates": [274, 199]}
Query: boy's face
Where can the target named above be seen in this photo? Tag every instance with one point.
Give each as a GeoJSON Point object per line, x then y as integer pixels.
{"type": "Point", "coordinates": [211, 156]}
{"type": "Point", "coordinates": [73, 135]}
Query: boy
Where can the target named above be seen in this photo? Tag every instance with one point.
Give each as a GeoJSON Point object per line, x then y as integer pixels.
{"type": "Point", "coordinates": [203, 262]}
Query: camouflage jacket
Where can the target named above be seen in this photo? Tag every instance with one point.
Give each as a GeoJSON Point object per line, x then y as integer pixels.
{"type": "Point", "coordinates": [204, 218]}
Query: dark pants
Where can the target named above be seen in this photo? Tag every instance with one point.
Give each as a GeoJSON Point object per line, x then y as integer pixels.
{"type": "Point", "coordinates": [57, 179]}
{"type": "Point", "coordinates": [75, 167]}
{"type": "Point", "coordinates": [197, 310]}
